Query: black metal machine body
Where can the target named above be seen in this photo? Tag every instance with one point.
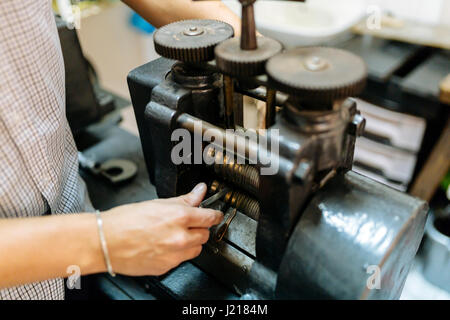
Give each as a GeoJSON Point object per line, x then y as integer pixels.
{"type": "Point", "coordinates": [309, 229]}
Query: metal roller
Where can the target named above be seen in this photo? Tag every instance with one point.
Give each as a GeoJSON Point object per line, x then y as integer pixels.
{"type": "Point", "coordinates": [238, 200]}
{"type": "Point", "coordinates": [243, 176]}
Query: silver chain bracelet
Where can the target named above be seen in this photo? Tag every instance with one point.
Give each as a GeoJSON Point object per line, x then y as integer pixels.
{"type": "Point", "coordinates": [103, 243]}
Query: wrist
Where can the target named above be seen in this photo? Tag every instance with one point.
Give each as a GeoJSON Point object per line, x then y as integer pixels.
{"type": "Point", "coordinates": [103, 244]}
{"type": "Point", "coordinates": [92, 259]}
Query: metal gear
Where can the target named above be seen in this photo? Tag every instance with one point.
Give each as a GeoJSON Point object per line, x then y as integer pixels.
{"type": "Point", "coordinates": [191, 40]}
{"type": "Point", "coordinates": [317, 74]}
{"type": "Point", "coordinates": [233, 60]}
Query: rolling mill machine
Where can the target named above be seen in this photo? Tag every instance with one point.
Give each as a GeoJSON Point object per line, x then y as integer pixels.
{"type": "Point", "coordinates": [312, 228]}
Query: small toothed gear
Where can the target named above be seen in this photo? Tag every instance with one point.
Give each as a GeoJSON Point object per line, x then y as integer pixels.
{"type": "Point", "coordinates": [317, 74]}
{"type": "Point", "coordinates": [191, 40]}
{"type": "Point", "coordinates": [233, 60]}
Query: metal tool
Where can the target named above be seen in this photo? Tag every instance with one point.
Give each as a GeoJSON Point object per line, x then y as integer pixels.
{"type": "Point", "coordinates": [239, 200]}
{"type": "Point", "coordinates": [214, 198]}
{"type": "Point", "coordinates": [114, 170]}
{"type": "Point", "coordinates": [311, 227]}
{"type": "Point", "coordinates": [223, 227]}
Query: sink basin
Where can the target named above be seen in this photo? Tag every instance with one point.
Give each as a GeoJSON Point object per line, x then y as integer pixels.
{"type": "Point", "coordinates": [303, 24]}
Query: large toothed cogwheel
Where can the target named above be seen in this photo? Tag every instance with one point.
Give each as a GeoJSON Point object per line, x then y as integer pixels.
{"type": "Point", "coordinates": [231, 59]}
{"type": "Point", "coordinates": [317, 74]}
{"type": "Point", "coordinates": [191, 40]}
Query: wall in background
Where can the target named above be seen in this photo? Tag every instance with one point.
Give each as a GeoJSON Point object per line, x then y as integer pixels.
{"type": "Point", "coordinates": [429, 11]}
{"type": "Point", "coordinates": [114, 47]}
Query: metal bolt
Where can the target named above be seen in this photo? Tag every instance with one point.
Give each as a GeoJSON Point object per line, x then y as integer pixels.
{"type": "Point", "coordinates": [193, 31]}
{"type": "Point", "coordinates": [357, 125]}
{"type": "Point", "coordinates": [315, 63]}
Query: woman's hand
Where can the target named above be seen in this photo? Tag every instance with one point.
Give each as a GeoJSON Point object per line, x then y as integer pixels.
{"type": "Point", "coordinates": [152, 237]}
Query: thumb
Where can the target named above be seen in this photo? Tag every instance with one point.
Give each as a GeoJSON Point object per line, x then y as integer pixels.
{"type": "Point", "coordinates": [195, 197]}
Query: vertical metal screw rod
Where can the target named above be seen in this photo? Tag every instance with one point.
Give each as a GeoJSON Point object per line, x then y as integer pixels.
{"type": "Point", "coordinates": [229, 93]}
{"type": "Point", "coordinates": [270, 107]}
{"type": "Point", "coordinates": [248, 28]}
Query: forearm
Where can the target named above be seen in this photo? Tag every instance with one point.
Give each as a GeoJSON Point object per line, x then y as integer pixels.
{"type": "Point", "coordinates": [39, 248]}
{"type": "Point", "coordinates": [161, 12]}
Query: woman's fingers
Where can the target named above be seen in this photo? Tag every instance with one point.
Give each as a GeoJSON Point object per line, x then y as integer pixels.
{"type": "Point", "coordinates": [202, 218]}
{"type": "Point", "coordinates": [193, 198]}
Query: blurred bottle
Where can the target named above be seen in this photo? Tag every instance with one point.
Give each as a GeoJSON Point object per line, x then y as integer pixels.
{"type": "Point", "coordinates": [141, 24]}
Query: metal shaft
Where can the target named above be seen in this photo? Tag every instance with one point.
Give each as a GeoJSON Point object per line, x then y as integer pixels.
{"type": "Point", "coordinates": [270, 107]}
{"type": "Point", "coordinates": [240, 145]}
{"type": "Point", "coordinates": [191, 123]}
{"type": "Point", "coordinates": [229, 93]}
{"type": "Point", "coordinates": [260, 93]}
{"type": "Point", "coordinates": [248, 28]}
{"type": "Point", "coordinates": [239, 200]}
